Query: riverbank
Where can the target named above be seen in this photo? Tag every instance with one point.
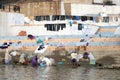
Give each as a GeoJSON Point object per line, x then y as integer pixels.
{"type": "Point", "coordinates": [108, 59]}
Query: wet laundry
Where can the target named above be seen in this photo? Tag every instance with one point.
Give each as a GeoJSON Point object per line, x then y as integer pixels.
{"type": "Point", "coordinates": [41, 18]}
{"type": "Point", "coordinates": [55, 27]}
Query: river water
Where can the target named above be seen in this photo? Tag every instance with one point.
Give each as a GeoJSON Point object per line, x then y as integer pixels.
{"type": "Point", "coordinates": [13, 72]}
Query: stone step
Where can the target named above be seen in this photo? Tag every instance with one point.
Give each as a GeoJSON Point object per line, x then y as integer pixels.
{"type": "Point", "coordinates": [116, 59]}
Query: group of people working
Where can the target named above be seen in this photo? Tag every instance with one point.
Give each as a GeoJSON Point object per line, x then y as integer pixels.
{"type": "Point", "coordinates": [16, 57]}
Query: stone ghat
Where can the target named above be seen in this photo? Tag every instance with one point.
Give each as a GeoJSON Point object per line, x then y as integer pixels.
{"type": "Point", "coordinates": [104, 59]}
{"type": "Point", "coordinates": [64, 40]}
{"type": "Point", "coordinates": [69, 48]}
{"type": "Point", "coordinates": [96, 44]}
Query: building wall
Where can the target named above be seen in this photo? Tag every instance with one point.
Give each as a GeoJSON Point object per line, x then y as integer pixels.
{"type": "Point", "coordinates": [78, 1]}
{"type": "Point", "coordinates": [82, 9]}
{"type": "Point", "coordinates": [7, 19]}
{"type": "Point", "coordinates": [37, 8]}
{"type": "Point", "coordinates": [40, 8]}
{"type": "Point", "coordinates": [32, 9]}
{"type": "Point", "coordinates": [67, 8]}
{"type": "Point", "coordinates": [117, 2]}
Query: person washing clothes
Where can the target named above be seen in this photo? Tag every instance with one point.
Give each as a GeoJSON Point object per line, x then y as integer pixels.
{"type": "Point", "coordinates": [44, 61]}
{"type": "Point", "coordinates": [7, 57]}
{"type": "Point", "coordinates": [22, 58]}
{"type": "Point", "coordinates": [34, 61]}
{"type": "Point", "coordinates": [86, 55]}
{"type": "Point", "coordinates": [74, 59]}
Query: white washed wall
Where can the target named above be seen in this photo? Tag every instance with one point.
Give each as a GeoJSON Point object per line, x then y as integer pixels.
{"type": "Point", "coordinates": [62, 8]}
{"type": "Point", "coordinates": [116, 2]}
{"type": "Point", "coordinates": [82, 9]}
{"type": "Point", "coordinates": [98, 1]}
{"type": "Point", "coordinates": [3, 24]}
{"type": "Point", "coordinates": [7, 19]}
{"type": "Point", "coordinates": [41, 30]}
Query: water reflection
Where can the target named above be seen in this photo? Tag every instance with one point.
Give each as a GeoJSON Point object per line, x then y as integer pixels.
{"type": "Point", "coordinates": [11, 72]}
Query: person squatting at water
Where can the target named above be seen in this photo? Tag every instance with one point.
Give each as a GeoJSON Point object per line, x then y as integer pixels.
{"type": "Point", "coordinates": [44, 61]}
{"type": "Point", "coordinates": [86, 55]}
{"type": "Point", "coordinates": [11, 57]}
{"type": "Point", "coordinates": [74, 59]}
{"type": "Point", "coordinates": [7, 57]}
{"type": "Point", "coordinates": [24, 59]}
{"type": "Point", "coordinates": [34, 61]}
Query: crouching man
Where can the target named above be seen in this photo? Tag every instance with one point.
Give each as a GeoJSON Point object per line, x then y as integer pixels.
{"type": "Point", "coordinates": [74, 59]}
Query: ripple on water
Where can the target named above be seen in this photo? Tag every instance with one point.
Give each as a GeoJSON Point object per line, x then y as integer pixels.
{"type": "Point", "coordinates": [10, 72]}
